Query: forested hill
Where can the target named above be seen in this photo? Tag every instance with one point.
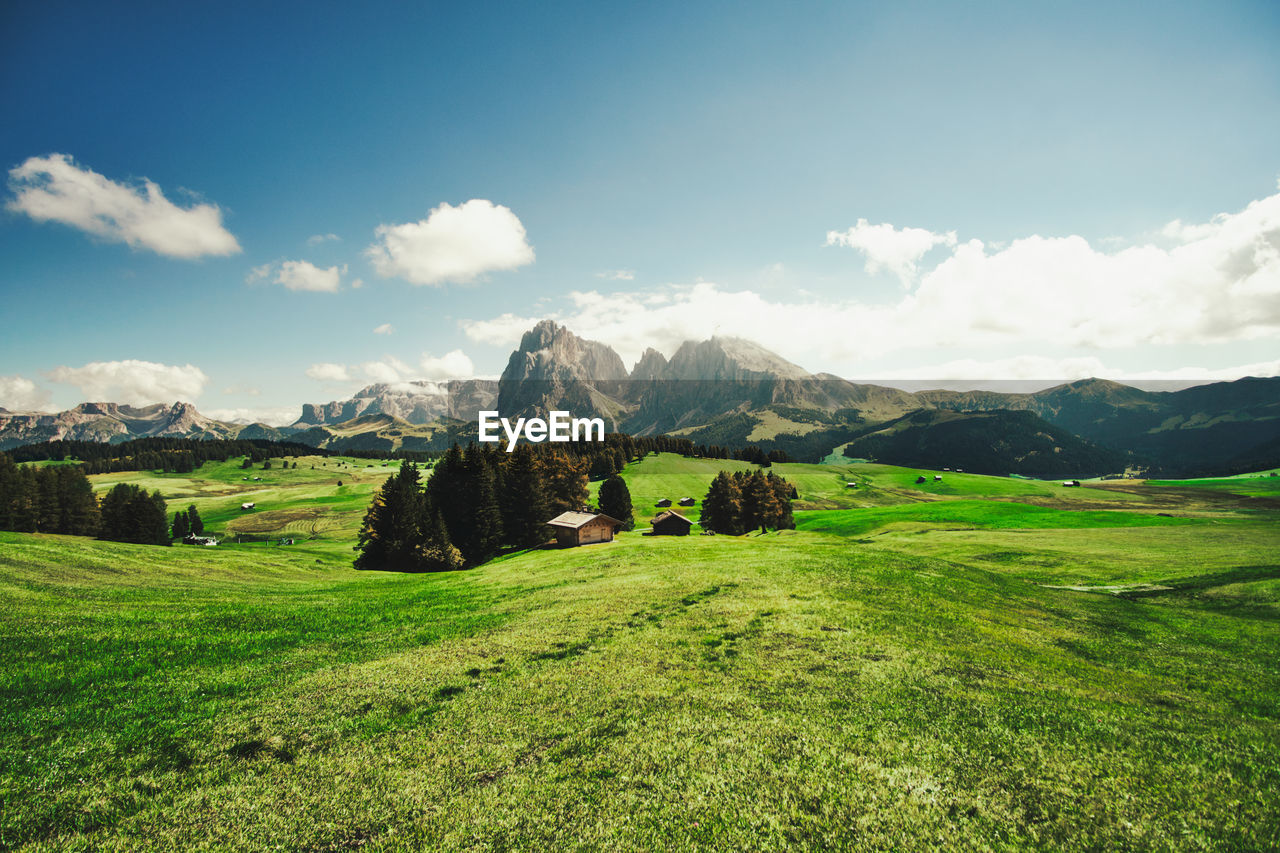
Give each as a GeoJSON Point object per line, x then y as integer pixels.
{"type": "Point", "coordinates": [998, 442]}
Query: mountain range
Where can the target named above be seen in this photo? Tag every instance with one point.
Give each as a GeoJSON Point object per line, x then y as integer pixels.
{"type": "Point", "coordinates": [732, 392]}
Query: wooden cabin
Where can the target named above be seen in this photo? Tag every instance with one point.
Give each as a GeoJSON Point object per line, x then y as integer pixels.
{"type": "Point", "coordinates": [664, 502]}
{"type": "Point", "coordinates": [687, 502]}
{"type": "Point", "coordinates": [671, 523]}
{"type": "Point", "coordinates": [583, 528]}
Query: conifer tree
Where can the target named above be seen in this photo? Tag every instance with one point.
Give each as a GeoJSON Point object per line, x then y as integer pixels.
{"type": "Point", "coordinates": [181, 526]}
{"type": "Point", "coordinates": [615, 500]}
{"type": "Point", "coordinates": [565, 481]}
{"type": "Point", "coordinates": [722, 507]}
{"type": "Point", "coordinates": [524, 505]}
{"type": "Point", "coordinates": [391, 533]}
{"type": "Point", "coordinates": [194, 522]}
{"type": "Point", "coordinates": [481, 535]}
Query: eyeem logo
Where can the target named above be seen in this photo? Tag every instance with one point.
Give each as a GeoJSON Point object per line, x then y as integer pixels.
{"type": "Point", "coordinates": [561, 427]}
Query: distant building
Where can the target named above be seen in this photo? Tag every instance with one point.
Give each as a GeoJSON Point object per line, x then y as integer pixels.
{"type": "Point", "coordinates": [921, 479]}
{"type": "Point", "coordinates": [671, 523]}
{"type": "Point", "coordinates": [1071, 482]}
{"type": "Point", "coordinates": [687, 502]}
{"type": "Point", "coordinates": [664, 502]}
{"type": "Point", "coordinates": [583, 528]}
{"type": "Point", "coordinates": [247, 506]}
{"type": "Point", "coordinates": [851, 485]}
{"type": "Point", "coordinates": [206, 541]}
{"type": "Point", "coordinates": [937, 477]}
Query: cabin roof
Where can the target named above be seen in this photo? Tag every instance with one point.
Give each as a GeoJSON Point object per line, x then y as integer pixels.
{"type": "Point", "coordinates": [663, 516]}
{"type": "Point", "coordinates": [574, 520]}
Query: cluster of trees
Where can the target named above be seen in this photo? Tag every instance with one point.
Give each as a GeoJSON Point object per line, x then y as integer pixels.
{"type": "Point", "coordinates": [132, 514]}
{"type": "Point", "coordinates": [52, 499]}
{"type": "Point", "coordinates": [741, 502]}
{"type": "Point", "coordinates": [187, 523]}
{"type": "Point", "coordinates": [60, 499]}
{"type": "Point", "coordinates": [181, 455]}
{"type": "Point", "coordinates": [477, 502]}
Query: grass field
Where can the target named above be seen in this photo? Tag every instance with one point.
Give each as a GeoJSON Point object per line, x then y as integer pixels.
{"type": "Point", "coordinates": [304, 503]}
{"type": "Point", "coordinates": [1002, 666]}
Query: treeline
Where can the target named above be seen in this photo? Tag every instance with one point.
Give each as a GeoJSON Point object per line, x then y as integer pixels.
{"type": "Point", "coordinates": [179, 455]}
{"type": "Point", "coordinates": [740, 502]}
{"type": "Point", "coordinates": [60, 499]}
{"type": "Point", "coordinates": [52, 499]}
{"type": "Point", "coordinates": [477, 502]}
{"type": "Point", "coordinates": [132, 514]}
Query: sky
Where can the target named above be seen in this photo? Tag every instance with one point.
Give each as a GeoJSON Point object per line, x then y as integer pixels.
{"type": "Point", "coordinates": [252, 206]}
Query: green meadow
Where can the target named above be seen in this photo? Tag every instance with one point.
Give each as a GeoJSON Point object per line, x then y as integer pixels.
{"type": "Point", "coordinates": [973, 663]}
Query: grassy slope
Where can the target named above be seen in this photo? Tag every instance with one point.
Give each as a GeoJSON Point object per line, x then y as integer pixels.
{"type": "Point", "coordinates": [760, 692]}
{"type": "Point", "coordinates": [881, 680]}
{"type": "Point", "coordinates": [305, 503]}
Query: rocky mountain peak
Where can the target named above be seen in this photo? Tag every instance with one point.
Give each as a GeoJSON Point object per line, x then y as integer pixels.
{"type": "Point", "coordinates": [650, 366]}
{"type": "Point", "coordinates": [725, 358]}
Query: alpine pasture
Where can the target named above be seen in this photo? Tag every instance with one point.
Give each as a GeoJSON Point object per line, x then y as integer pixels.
{"type": "Point", "coordinates": [967, 663]}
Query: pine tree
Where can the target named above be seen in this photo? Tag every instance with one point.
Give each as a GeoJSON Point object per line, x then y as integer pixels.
{"type": "Point", "coordinates": [759, 504]}
{"type": "Point", "coordinates": [565, 481]}
{"type": "Point", "coordinates": [615, 500]}
{"type": "Point", "coordinates": [722, 507]}
{"type": "Point", "coordinates": [194, 522]}
{"type": "Point", "coordinates": [523, 502]}
{"type": "Point", "coordinates": [482, 533]}
{"type": "Point", "coordinates": [391, 534]}
{"type": "Point", "coordinates": [181, 527]}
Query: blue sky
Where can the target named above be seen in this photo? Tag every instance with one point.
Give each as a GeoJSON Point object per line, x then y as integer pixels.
{"type": "Point", "coordinates": [813, 176]}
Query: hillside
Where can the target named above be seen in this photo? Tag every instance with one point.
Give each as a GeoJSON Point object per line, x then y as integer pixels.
{"type": "Point", "coordinates": [996, 442]}
{"type": "Point", "coordinates": [951, 673]}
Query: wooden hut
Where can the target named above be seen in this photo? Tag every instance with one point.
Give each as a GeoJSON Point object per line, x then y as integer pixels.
{"type": "Point", "coordinates": [584, 528]}
{"type": "Point", "coordinates": [687, 502]}
{"type": "Point", "coordinates": [664, 502]}
{"type": "Point", "coordinates": [671, 523]}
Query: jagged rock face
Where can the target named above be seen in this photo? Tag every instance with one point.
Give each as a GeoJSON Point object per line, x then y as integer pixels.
{"type": "Point", "coordinates": [110, 422]}
{"type": "Point", "coordinates": [418, 402]}
{"type": "Point", "coordinates": [551, 352]}
{"type": "Point", "coordinates": [555, 369]}
{"type": "Point", "coordinates": [730, 359]}
{"type": "Point", "coordinates": [652, 365]}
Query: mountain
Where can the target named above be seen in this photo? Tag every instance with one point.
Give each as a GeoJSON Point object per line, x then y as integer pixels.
{"type": "Point", "coordinates": [554, 369]}
{"type": "Point", "coordinates": [994, 442]}
{"type": "Point", "coordinates": [110, 422]}
{"type": "Point", "coordinates": [383, 432]}
{"type": "Point", "coordinates": [1176, 431]}
{"type": "Point", "coordinates": [731, 392]}
{"type": "Point", "coordinates": [417, 402]}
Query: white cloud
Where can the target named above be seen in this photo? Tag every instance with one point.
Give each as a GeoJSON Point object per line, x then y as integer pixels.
{"type": "Point", "coordinates": [304, 275]}
{"type": "Point", "coordinates": [18, 394]}
{"type": "Point", "coordinates": [390, 369]}
{"type": "Point", "coordinates": [328, 372]}
{"type": "Point", "coordinates": [1219, 284]}
{"type": "Point", "coordinates": [132, 381]}
{"type": "Point", "coordinates": [258, 273]}
{"type": "Point", "coordinates": [451, 365]}
{"type": "Point", "coordinates": [453, 244]}
{"type": "Point", "coordinates": [356, 284]}
{"type": "Point", "coordinates": [384, 329]}
{"type": "Point", "coordinates": [617, 275]}
{"type": "Point", "coordinates": [898, 250]}
{"type": "Point", "coordinates": [269, 415]}
{"type": "Point", "coordinates": [55, 189]}
{"type": "Point", "coordinates": [317, 239]}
